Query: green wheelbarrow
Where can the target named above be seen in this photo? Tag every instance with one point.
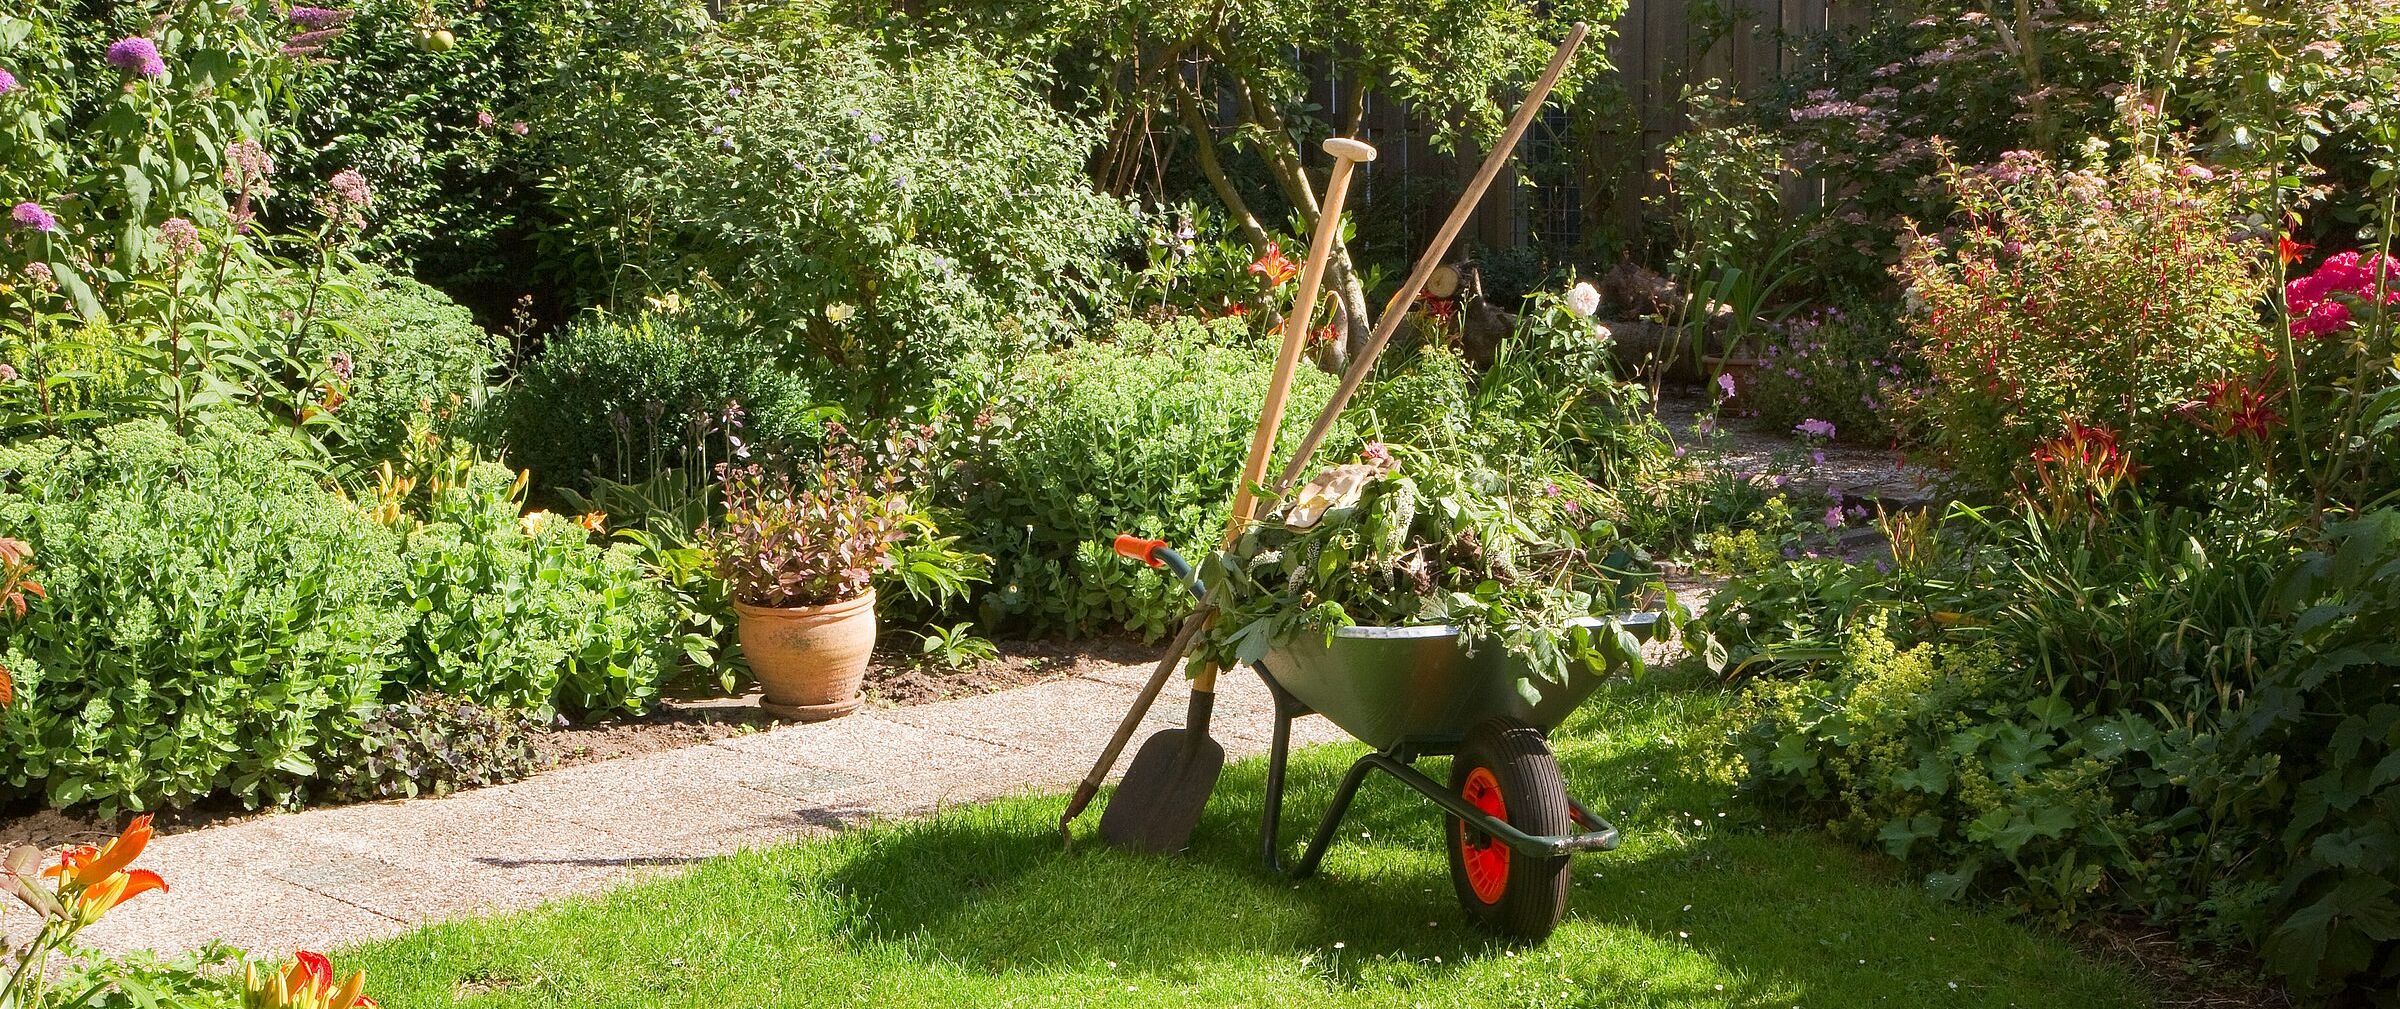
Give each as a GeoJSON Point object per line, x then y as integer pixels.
{"type": "Point", "coordinates": [1416, 692]}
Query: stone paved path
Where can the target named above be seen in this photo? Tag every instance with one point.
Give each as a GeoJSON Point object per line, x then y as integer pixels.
{"type": "Point", "coordinates": [326, 877]}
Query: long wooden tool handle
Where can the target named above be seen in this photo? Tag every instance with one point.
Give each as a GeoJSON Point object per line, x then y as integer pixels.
{"type": "Point", "coordinates": [1397, 310]}
{"type": "Point", "coordinates": [1347, 156]}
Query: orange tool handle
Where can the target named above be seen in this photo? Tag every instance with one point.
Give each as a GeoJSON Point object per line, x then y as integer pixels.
{"type": "Point", "coordinates": [1137, 548]}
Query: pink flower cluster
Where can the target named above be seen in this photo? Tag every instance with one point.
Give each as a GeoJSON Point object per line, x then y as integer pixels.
{"type": "Point", "coordinates": [2314, 301]}
{"type": "Point", "coordinates": [138, 56]}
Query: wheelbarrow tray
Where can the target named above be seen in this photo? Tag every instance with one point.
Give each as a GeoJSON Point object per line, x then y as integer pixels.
{"type": "Point", "coordinates": [1422, 688]}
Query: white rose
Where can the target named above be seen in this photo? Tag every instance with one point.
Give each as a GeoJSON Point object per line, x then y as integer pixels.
{"type": "Point", "coordinates": [1583, 300]}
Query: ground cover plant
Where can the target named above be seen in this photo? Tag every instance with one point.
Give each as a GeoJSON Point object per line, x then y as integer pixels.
{"type": "Point", "coordinates": [982, 905]}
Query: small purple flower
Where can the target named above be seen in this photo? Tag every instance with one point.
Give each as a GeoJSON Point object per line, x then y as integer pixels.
{"type": "Point", "coordinates": [484, 121]}
{"type": "Point", "coordinates": [1815, 428]}
{"type": "Point", "coordinates": [1833, 517]}
{"type": "Point", "coordinates": [8, 82]}
{"type": "Point", "coordinates": [1817, 457]}
{"type": "Point", "coordinates": [341, 364]}
{"type": "Point", "coordinates": [138, 56]}
{"type": "Point", "coordinates": [31, 217]}
{"type": "Point", "coordinates": [317, 18]}
{"type": "Point", "coordinates": [874, 138]}
{"type": "Point", "coordinates": [1376, 453]}
{"type": "Point", "coordinates": [1725, 382]}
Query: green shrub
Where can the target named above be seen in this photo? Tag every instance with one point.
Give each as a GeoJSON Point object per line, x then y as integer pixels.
{"type": "Point", "coordinates": [1851, 368]}
{"type": "Point", "coordinates": [891, 223]}
{"type": "Point", "coordinates": [435, 745]}
{"type": "Point", "coordinates": [2098, 296]}
{"type": "Point", "coordinates": [2170, 715]}
{"type": "Point", "coordinates": [522, 611]}
{"type": "Point", "coordinates": [1145, 436]}
{"type": "Point", "coordinates": [408, 350]}
{"type": "Point", "coordinates": [216, 621]}
{"type": "Point", "coordinates": [625, 398]}
{"type": "Point", "coordinates": [456, 188]}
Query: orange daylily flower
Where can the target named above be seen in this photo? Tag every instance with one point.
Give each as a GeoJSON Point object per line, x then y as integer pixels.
{"type": "Point", "coordinates": [596, 522]}
{"type": "Point", "coordinates": [2291, 252]}
{"type": "Point", "coordinates": [1274, 266]}
{"type": "Point", "coordinates": [102, 877]}
{"type": "Point", "coordinates": [305, 983]}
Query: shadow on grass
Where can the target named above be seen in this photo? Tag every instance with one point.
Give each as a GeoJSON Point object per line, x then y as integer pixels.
{"type": "Point", "coordinates": [1778, 915]}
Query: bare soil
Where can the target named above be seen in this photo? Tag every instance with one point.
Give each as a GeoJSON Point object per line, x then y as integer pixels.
{"type": "Point", "coordinates": [897, 679]}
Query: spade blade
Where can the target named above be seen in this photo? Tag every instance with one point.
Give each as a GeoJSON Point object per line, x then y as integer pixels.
{"type": "Point", "coordinates": [1158, 805]}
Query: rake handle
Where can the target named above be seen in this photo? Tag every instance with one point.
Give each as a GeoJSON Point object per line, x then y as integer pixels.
{"type": "Point", "coordinates": [1395, 311]}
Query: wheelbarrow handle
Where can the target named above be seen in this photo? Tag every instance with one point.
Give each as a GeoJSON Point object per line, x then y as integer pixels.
{"type": "Point", "coordinates": [1157, 554]}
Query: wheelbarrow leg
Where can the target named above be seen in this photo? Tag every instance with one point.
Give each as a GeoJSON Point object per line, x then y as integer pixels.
{"type": "Point", "coordinates": [1270, 828]}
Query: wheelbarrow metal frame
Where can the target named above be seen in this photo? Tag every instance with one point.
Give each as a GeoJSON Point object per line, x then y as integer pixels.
{"type": "Point", "coordinates": [1400, 763]}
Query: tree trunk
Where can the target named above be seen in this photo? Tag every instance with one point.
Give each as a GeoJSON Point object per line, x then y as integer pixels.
{"type": "Point", "coordinates": [1281, 151]}
{"type": "Point", "coordinates": [1204, 146]}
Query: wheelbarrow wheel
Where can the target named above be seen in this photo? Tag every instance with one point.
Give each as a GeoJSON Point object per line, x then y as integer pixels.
{"type": "Point", "coordinates": [1506, 769]}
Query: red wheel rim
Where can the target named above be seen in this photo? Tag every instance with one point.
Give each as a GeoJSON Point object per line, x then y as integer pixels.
{"type": "Point", "coordinates": [1485, 858]}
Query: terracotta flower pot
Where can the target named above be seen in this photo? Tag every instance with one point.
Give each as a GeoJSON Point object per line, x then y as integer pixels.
{"type": "Point", "coordinates": [810, 660]}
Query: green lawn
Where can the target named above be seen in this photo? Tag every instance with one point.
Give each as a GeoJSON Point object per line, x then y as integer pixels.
{"type": "Point", "coordinates": [981, 907]}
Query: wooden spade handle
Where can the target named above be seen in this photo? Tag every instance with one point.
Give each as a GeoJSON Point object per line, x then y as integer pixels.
{"type": "Point", "coordinates": [1347, 154]}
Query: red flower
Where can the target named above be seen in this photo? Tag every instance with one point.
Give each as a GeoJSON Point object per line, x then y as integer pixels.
{"type": "Point", "coordinates": [2238, 409]}
{"type": "Point", "coordinates": [2289, 251]}
{"type": "Point", "coordinates": [1274, 267]}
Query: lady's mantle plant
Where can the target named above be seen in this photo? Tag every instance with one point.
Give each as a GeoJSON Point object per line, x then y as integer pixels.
{"type": "Point", "coordinates": [813, 539]}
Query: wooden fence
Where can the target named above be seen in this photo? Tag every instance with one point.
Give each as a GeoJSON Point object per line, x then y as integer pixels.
{"type": "Point", "coordinates": [1587, 176]}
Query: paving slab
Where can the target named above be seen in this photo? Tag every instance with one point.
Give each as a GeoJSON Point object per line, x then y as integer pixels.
{"type": "Point", "coordinates": [325, 877]}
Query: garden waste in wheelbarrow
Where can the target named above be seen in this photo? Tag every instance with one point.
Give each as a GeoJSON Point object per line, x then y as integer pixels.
{"type": "Point", "coordinates": [1414, 692]}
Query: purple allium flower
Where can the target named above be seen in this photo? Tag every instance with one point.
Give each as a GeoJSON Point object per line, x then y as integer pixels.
{"type": "Point", "coordinates": [138, 56]}
{"type": "Point", "coordinates": [318, 18]}
{"type": "Point", "coordinates": [179, 235]}
{"type": "Point", "coordinates": [1815, 428]}
{"type": "Point", "coordinates": [8, 82]}
{"type": "Point", "coordinates": [31, 217]}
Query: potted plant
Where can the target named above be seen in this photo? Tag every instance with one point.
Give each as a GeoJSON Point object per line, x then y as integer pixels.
{"type": "Point", "coordinates": [800, 557]}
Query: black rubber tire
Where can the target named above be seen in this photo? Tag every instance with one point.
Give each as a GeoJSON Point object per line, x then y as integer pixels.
{"type": "Point", "coordinates": [1519, 760]}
